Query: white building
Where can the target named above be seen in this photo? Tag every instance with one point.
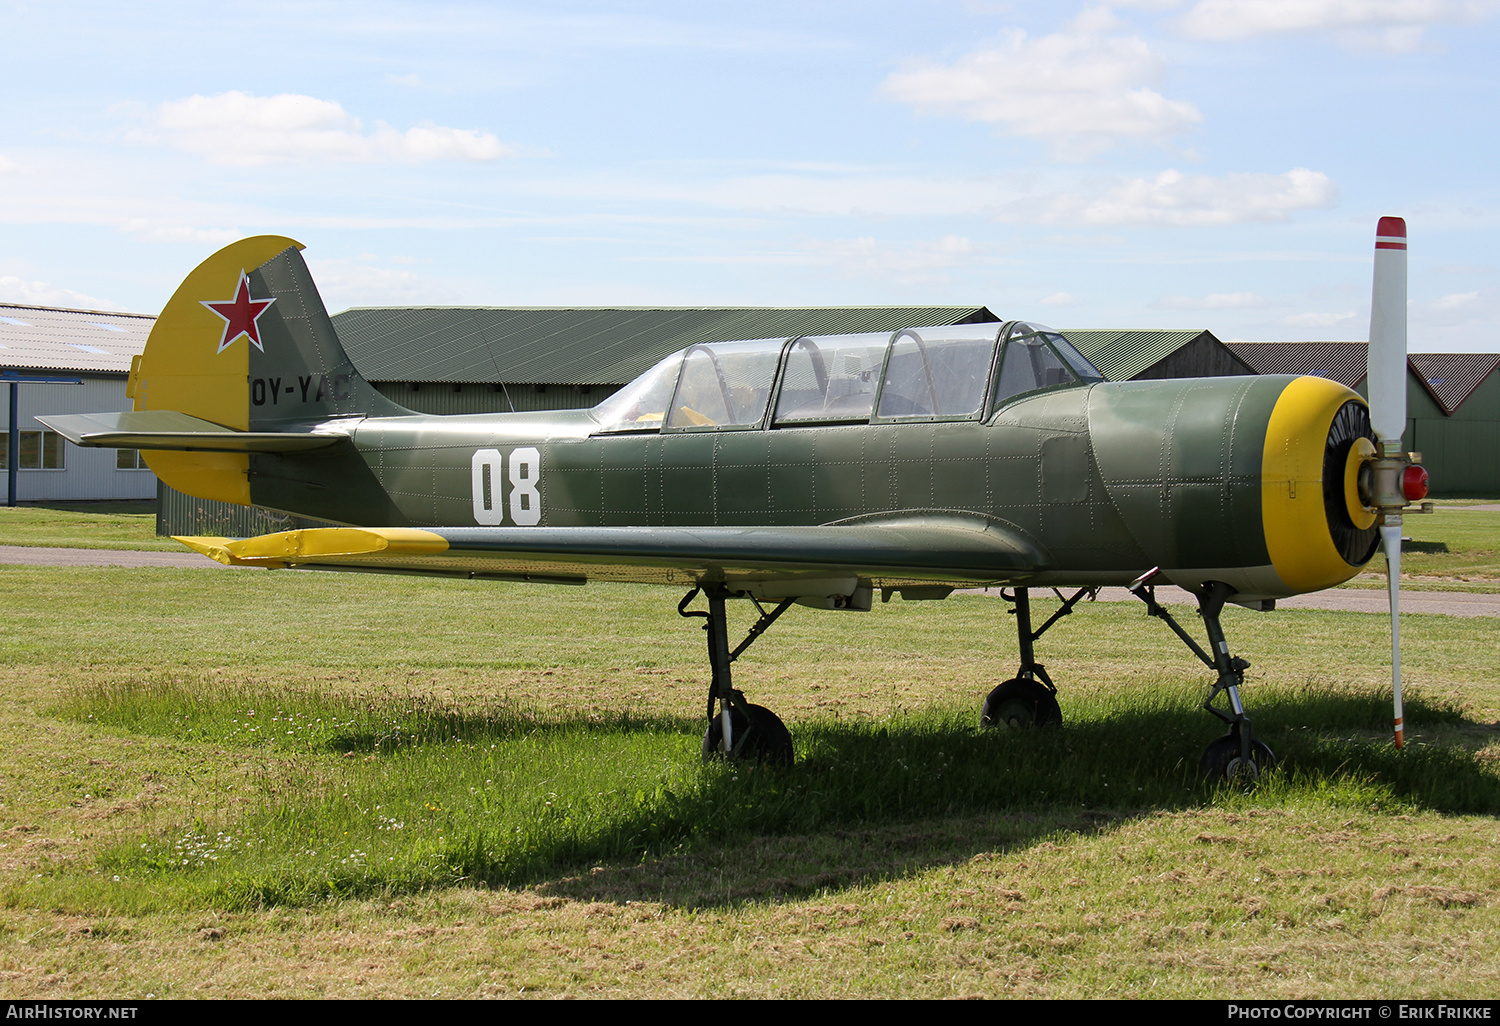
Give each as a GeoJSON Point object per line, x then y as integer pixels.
{"type": "Point", "coordinates": [94, 346]}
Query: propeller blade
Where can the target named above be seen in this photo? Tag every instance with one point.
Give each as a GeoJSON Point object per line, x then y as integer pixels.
{"type": "Point", "coordinates": [1386, 370]}
{"type": "Point", "coordinates": [1386, 356]}
{"type": "Point", "coordinates": [1390, 536]}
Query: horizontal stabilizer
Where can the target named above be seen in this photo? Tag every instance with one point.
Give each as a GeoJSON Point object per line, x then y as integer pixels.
{"type": "Point", "coordinates": [168, 429]}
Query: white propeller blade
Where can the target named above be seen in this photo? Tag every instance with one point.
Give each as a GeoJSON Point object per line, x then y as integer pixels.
{"type": "Point", "coordinates": [1390, 536]}
{"type": "Point", "coordinates": [1387, 386]}
{"type": "Point", "coordinates": [1387, 351]}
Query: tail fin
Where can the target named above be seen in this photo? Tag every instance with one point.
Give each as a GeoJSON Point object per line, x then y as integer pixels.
{"type": "Point", "coordinates": [246, 343]}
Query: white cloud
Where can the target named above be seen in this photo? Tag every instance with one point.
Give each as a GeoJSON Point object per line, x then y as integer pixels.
{"type": "Point", "coordinates": [1321, 320]}
{"type": "Point", "coordinates": [346, 283]}
{"type": "Point", "coordinates": [1213, 301]}
{"type": "Point", "coordinates": [413, 80]}
{"type": "Point", "coordinates": [1456, 301]}
{"type": "Point", "coordinates": [149, 230]}
{"type": "Point", "coordinates": [1394, 25]}
{"type": "Point", "coordinates": [1082, 90]}
{"type": "Point", "coordinates": [1458, 308]}
{"type": "Point", "coordinates": [838, 192]}
{"type": "Point", "coordinates": [1060, 299]}
{"type": "Point", "coordinates": [1173, 199]}
{"type": "Point", "coordinates": [905, 263]}
{"type": "Point", "coordinates": [1084, 241]}
{"type": "Point", "coordinates": [239, 128]}
{"type": "Point", "coordinates": [41, 293]}
{"type": "Point", "coordinates": [8, 165]}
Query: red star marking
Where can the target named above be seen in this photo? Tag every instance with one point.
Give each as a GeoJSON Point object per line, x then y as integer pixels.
{"type": "Point", "coordinates": [240, 315]}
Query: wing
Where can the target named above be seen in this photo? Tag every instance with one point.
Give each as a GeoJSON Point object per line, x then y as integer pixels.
{"type": "Point", "coordinates": [770, 562]}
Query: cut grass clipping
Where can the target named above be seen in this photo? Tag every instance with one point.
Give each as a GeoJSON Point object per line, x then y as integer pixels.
{"type": "Point", "coordinates": [395, 797]}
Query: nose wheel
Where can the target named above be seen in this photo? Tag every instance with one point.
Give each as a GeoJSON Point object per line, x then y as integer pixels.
{"type": "Point", "coordinates": [1236, 755]}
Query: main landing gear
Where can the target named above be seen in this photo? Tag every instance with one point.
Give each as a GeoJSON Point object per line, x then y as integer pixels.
{"type": "Point", "coordinates": [1029, 699]}
{"type": "Point", "coordinates": [738, 730]}
{"type": "Point", "coordinates": [1237, 754]}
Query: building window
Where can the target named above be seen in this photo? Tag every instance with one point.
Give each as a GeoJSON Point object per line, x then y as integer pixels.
{"type": "Point", "coordinates": [40, 450]}
{"type": "Point", "coordinates": [129, 459]}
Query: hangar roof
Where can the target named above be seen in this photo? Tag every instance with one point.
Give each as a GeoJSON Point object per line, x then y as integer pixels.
{"type": "Point", "coordinates": [1451, 378]}
{"type": "Point", "coordinates": [586, 346]}
{"type": "Point", "coordinates": [1343, 362]}
{"type": "Point", "coordinates": [89, 341]}
{"type": "Point", "coordinates": [1122, 355]}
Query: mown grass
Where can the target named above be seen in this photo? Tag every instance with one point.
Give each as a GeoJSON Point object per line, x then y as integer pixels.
{"type": "Point", "coordinates": [84, 525]}
{"type": "Point", "coordinates": [1450, 546]}
{"type": "Point", "coordinates": [405, 796]}
{"type": "Point", "coordinates": [381, 825]}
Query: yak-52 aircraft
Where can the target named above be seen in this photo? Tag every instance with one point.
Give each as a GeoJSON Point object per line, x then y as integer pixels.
{"type": "Point", "coordinates": [817, 470]}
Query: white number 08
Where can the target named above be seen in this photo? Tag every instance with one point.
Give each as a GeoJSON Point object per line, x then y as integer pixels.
{"type": "Point", "coordinates": [525, 496]}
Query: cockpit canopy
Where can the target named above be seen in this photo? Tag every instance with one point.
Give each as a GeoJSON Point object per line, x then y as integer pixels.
{"type": "Point", "coordinates": [957, 372]}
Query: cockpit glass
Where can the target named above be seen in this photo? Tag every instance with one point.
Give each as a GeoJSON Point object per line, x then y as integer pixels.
{"type": "Point", "coordinates": [1085, 370]}
{"type": "Point", "coordinates": [725, 385]}
{"type": "Point", "coordinates": [1029, 364]}
{"type": "Point", "coordinates": [831, 378]}
{"type": "Point", "coordinates": [1036, 358]}
{"type": "Point", "coordinates": [642, 404]}
{"type": "Point", "coordinates": [938, 372]}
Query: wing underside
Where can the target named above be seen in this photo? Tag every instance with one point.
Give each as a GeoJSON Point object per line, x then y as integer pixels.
{"type": "Point", "coordinates": [920, 551]}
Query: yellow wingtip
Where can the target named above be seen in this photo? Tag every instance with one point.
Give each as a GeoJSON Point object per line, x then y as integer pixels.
{"type": "Point", "coordinates": [312, 544]}
{"type": "Point", "coordinates": [218, 549]}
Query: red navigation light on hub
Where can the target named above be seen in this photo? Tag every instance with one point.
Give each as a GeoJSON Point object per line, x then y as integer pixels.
{"type": "Point", "coordinates": [1414, 483]}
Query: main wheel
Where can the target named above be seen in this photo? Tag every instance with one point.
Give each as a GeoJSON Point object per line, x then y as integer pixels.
{"type": "Point", "coordinates": [763, 738]}
{"type": "Point", "coordinates": [1021, 703]}
{"type": "Point", "coordinates": [1222, 760]}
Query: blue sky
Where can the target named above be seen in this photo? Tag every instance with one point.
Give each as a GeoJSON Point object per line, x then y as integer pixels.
{"type": "Point", "coordinates": [1211, 164]}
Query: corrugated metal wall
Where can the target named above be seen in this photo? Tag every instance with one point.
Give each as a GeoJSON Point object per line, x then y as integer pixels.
{"type": "Point", "coordinates": [177, 513]}
{"type": "Point", "coordinates": [1203, 357]}
{"type": "Point", "coordinates": [86, 473]}
{"type": "Point", "coordinates": [1460, 455]}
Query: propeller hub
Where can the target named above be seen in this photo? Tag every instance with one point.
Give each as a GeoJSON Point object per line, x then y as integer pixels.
{"type": "Point", "coordinates": [1357, 500]}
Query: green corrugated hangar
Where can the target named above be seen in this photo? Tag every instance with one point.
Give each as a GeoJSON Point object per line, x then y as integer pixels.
{"type": "Point", "coordinates": [1452, 404]}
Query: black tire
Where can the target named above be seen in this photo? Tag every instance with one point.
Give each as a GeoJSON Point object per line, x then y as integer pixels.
{"type": "Point", "coordinates": [1019, 704]}
{"type": "Point", "coordinates": [1221, 760]}
{"type": "Point", "coordinates": [764, 738]}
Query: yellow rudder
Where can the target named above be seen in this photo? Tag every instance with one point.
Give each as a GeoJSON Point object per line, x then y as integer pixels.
{"type": "Point", "coordinates": [197, 362]}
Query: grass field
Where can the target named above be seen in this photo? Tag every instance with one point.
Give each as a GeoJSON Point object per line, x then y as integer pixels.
{"type": "Point", "coordinates": [84, 525]}
{"type": "Point", "coordinates": [292, 784]}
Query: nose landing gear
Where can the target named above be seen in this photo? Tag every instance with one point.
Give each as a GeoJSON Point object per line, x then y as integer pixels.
{"type": "Point", "coordinates": [1237, 754]}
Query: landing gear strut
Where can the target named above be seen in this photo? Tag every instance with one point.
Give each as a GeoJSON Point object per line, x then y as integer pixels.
{"type": "Point", "coordinates": [1237, 753]}
{"type": "Point", "coordinates": [1029, 699]}
{"type": "Point", "coordinates": [738, 730]}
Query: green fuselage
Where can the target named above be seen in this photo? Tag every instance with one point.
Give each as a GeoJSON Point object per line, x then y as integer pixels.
{"type": "Point", "coordinates": [1107, 479]}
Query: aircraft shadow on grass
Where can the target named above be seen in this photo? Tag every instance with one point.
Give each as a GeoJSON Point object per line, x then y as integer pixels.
{"type": "Point", "coordinates": [870, 800]}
